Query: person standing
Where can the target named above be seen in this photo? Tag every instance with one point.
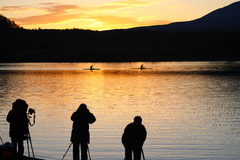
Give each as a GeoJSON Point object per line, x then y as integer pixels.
{"type": "Point", "coordinates": [18, 119]}
{"type": "Point", "coordinates": [80, 131]}
{"type": "Point", "coordinates": [133, 138]}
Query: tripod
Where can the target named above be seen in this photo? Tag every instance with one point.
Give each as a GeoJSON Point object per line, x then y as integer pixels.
{"type": "Point", "coordinates": [29, 140]}
{"type": "Point", "coordinates": [89, 153]}
{"type": "Point", "coordinates": [70, 147]}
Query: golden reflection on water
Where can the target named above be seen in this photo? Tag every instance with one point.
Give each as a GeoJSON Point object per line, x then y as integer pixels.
{"type": "Point", "coordinates": [188, 115]}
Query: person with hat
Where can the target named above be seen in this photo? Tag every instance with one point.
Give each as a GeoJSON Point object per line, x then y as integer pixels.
{"type": "Point", "coordinates": [80, 131]}
{"type": "Point", "coordinates": [133, 138]}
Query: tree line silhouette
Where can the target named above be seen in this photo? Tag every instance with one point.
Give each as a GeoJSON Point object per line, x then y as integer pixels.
{"type": "Point", "coordinates": [77, 45]}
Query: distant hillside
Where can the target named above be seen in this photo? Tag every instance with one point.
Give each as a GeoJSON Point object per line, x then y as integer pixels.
{"type": "Point", "coordinates": [223, 19]}
{"type": "Point", "coordinates": [6, 23]}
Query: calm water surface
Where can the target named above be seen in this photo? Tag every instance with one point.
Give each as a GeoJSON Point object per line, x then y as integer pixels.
{"type": "Point", "coordinates": [191, 110]}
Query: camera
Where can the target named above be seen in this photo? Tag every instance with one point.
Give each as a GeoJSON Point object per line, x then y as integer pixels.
{"type": "Point", "coordinates": [31, 111]}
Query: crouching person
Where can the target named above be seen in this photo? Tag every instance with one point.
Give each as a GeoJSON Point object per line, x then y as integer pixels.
{"type": "Point", "coordinates": [133, 138]}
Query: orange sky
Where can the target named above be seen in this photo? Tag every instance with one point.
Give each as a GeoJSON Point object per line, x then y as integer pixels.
{"type": "Point", "coordinates": [105, 14]}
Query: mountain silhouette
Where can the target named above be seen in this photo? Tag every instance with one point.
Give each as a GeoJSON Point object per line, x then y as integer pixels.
{"type": "Point", "coordinates": [223, 19]}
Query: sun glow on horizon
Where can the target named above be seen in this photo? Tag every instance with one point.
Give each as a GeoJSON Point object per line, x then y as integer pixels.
{"type": "Point", "coordinates": [109, 14]}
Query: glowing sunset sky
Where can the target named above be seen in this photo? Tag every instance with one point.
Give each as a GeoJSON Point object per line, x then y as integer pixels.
{"type": "Point", "coordinates": [105, 14]}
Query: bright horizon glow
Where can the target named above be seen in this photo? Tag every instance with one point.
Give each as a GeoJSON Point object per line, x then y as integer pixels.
{"type": "Point", "coordinates": [105, 14]}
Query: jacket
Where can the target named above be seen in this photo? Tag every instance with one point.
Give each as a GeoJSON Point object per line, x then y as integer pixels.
{"type": "Point", "coordinates": [18, 123]}
{"type": "Point", "coordinates": [80, 128]}
{"type": "Point", "coordinates": [134, 131]}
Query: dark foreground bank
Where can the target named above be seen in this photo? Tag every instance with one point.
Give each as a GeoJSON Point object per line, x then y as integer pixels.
{"type": "Point", "coordinates": [31, 158]}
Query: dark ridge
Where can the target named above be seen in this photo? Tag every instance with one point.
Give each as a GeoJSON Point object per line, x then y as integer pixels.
{"type": "Point", "coordinates": [223, 19]}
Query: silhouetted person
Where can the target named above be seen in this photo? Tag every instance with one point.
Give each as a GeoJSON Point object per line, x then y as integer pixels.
{"type": "Point", "coordinates": [80, 131]}
{"type": "Point", "coordinates": [133, 138]}
{"type": "Point", "coordinates": [18, 120]}
{"type": "Point", "coordinates": [142, 67]}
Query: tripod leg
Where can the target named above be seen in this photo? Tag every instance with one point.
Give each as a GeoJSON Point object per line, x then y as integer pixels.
{"type": "Point", "coordinates": [143, 155]}
{"type": "Point", "coordinates": [67, 151]}
{"type": "Point", "coordinates": [31, 147]}
{"type": "Point", "coordinates": [28, 148]}
{"type": "Point", "coordinates": [1, 139]}
{"type": "Point", "coordinates": [88, 152]}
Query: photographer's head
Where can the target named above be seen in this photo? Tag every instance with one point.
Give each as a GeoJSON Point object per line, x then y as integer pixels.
{"type": "Point", "coordinates": [82, 108]}
{"type": "Point", "coordinates": [137, 119]}
{"type": "Point", "coordinates": [20, 105]}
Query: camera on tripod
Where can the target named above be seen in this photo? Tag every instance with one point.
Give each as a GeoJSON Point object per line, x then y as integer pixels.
{"type": "Point", "coordinates": [31, 111]}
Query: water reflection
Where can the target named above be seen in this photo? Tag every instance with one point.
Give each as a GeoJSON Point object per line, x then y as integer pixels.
{"type": "Point", "coordinates": [191, 110]}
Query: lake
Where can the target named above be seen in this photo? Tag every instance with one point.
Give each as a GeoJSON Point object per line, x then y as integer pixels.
{"type": "Point", "coordinates": [191, 110]}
